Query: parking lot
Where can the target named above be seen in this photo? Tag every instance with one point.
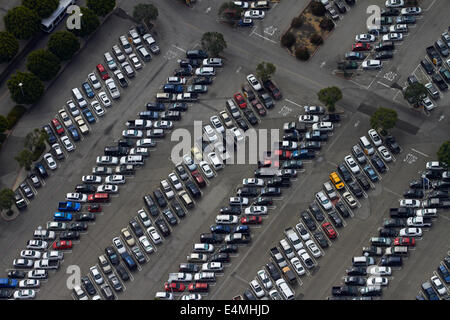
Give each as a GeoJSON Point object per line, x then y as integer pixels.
{"type": "Point", "coordinates": [299, 83]}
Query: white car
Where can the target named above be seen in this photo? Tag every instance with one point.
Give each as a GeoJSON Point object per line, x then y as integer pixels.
{"type": "Point", "coordinates": [400, 28]}
{"type": "Point", "coordinates": [94, 81]}
{"type": "Point", "coordinates": [167, 189]}
{"type": "Point", "coordinates": [156, 238]}
{"type": "Point", "coordinates": [410, 232]}
{"type": "Point", "coordinates": [410, 203]}
{"type": "Point", "coordinates": [135, 60]}
{"type": "Point", "coordinates": [146, 143]}
{"type": "Point", "coordinates": [50, 161]}
{"type": "Point", "coordinates": [438, 285]}
{"type": "Point", "coordinates": [210, 134]}
{"type": "Point", "coordinates": [189, 162]}
{"type": "Point", "coordinates": [148, 248]}
{"type": "Point", "coordinates": [377, 281]}
{"type": "Point", "coordinates": [24, 294]}
{"type": "Point", "coordinates": [372, 64]}
{"type": "Point", "coordinates": [56, 226]}
{"type": "Point", "coordinates": [254, 14]}
{"type": "Point", "coordinates": [104, 99]}
{"type": "Point", "coordinates": [385, 153]}
{"type": "Point", "coordinates": [96, 275]}
{"type": "Point", "coordinates": [72, 108]}
{"type": "Point", "coordinates": [23, 263]}
{"type": "Point", "coordinates": [313, 248]}
{"type": "Point", "coordinates": [298, 267]}
{"type": "Point", "coordinates": [112, 88]}
{"type": "Point", "coordinates": [242, 4]}
{"type": "Point", "coordinates": [97, 108]}
{"type": "Point", "coordinates": [37, 245]}
{"type": "Point", "coordinates": [379, 271]}
{"type": "Point", "coordinates": [307, 118]}
{"type": "Point", "coordinates": [237, 201]}
{"type": "Point", "coordinates": [350, 200]}
{"type": "Point", "coordinates": [394, 3]}
{"type": "Point", "coordinates": [365, 37]}
{"type": "Point", "coordinates": [206, 169]}
{"type": "Point", "coordinates": [30, 254]}
{"type": "Point", "coordinates": [65, 118]}
{"type": "Point", "coordinates": [37, 274]}
{"type": "Point", "coordinates": [304, 234]}
{"type": "Point", "coordinates": [191, 296]}
{"type": "Point", "coordinates": [132, 133]}
{"type": "Point", "coordinates": [254, 82]}
{"type": "Point", "coordinates": [323, 200]}
{"type": "Point", "coordinates": [212, 267]}
{"type": "Point", "coordinates": [411, 11]}
{"type": "Point", "coordinates": [393, 37]}
{"type": "Point", "coordinates": [257, 289]}
{"type": "Point", "coordinates": [426, 213]}
{"type": "Point", "coordinates": [428, 104]}
{"type": "Point", "coordinates": [217, 124]}
{"type": "Point", "coordinates": [256, 210]}
{"type": "Point", "coordinates": [237, 134]}
{"type": "Point", "coordinates": [374, 136]}
{"type": "Point", "coordinates": [205, 71]}
{"type": "Point", "coordinates": [91, 179]}
{"type": "Point", "coordinates": [108, 188]}
{"type": "Point", "coordinates": [265, 280]}
{"type": "Point", "coordinates": [352, 164]}
{"type": "Point", "coordinates": [77, 197]}
{"type": "Point", "coordinates": [226, 219]}
{"type": "Point", "coordinates": [434, 165]}
{"type": "Point", "coordinates": [53, 255]}
{"type": "Point", "coordinates": [29, 283]}
{"type": "Point", "coordinates": [68, 145]}
{"type": "Point", "coordinates": [203, 248]}
{"type": "Point", "coordinates": [323, 126]}
{"type": "Point", "coordinates": [135, 36]}
{"type": "Point", "coordinates": [119, 245]}
{"type": "Point", "coordinates": [175, 181]}
{"type": "Point", "coordinates": [253, 182]}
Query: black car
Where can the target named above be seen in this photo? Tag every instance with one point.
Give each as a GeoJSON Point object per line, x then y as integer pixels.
{"type": "Point", "coordinates": [78, 226]}
{"type": "Point", "coordinates": [385, 232]}
{"type": "Point", "coordinates": [183, 72]}
{"type": "Point", "coordinates": [151, 205]}
{"type": "Point", "coordinates": [88, 286]}
{"type": "Point", "coordinates": [440, 194]}
{"type": "Point", "coordinates": [202, 80]}
{"type": "Point", "coordinates": [355, 188]}
{"type": "Point", "coordinates": [292, 164]}
{"type": "Point", "coordinates": [138, 254]}
{"type": "Point", "coordinates": [181, 172]}
{"type": "Point", "coordinates": [357, 271]}
{"type": "Point", "coordinates": [136, 227]}
{"type": "Point", "coordinates": [160, 200]}
{"type": "Point", "coordinates": [194, 63]}
{"type": "Point", "coordinates": [235, 210]}
{"type": "Point", "coordinates": [51, 137]}
{"type": "Point", "coordinates": [344, 173]}
{"type": "Point", "coordinates": [155, 106]}
{"type": "Point", "coordinates": [123, 274]}
{"type": "Point", "coordinates": [85, 188]}
{"type": "Point", "coordinates": [344, 291]}
{"type": "Point", "coordinates": [148, 115]}
{"type": "Point", "coordinates": [69, 235]}
{"type": "Point", "coordinates": [439, 81]}
{"type": "Point", "coordinates": [273, 271]}
{"type": "Point", "coordinates": [394, 223]}
{"type": "Point", "coordinates": [263, 201]}
{"type": "Point", "coordinates": [384, 55]}
{"type": "Point", "coordinates": [355, 281]}
{"type": "Point", "coordinates": [26, 190]}
{"type": "Point", "coordinates": [178, 209]}
{"type": "Point", "coordinates": [392, 144]}
{"type": "Point", "coordinates": [162, 226]}
{"type": "Point", "coordinates": [413, 194]}
{"type": "Point", "coordinates": [308, 220]}
{"type": "Point", "coordinates": [228, 248]}
{"type": "Point", "coordinates": [248, 295]}
{"type": "Point", "coordinates": [340, 6]}
{"type": "Point", "coordinates": [332, 117]}
{"type": "Point", "coordinates": [391, 12]}
{"type": "Point", "coordinates": [321, 239]}
{"type": "Point", "coordinates": [251, 117]}
{"type": "Point", "coordinates": [219, 257]}
{"type": "Point", "coordinates": [278, 182]}
{"type": "Point", "coordinates": [431, 174]}
{"type": "Point", "coordinates": [371, 291]}
{"type": "Point", "coordinates": [128, 143]}
{"type": "Point", "coordinates": [210, 238]}
{"type": "Point", "coordinates": [316, 212]}
{"type": "Point", "coordinates": [270, 192]}
{"type": "Point", "coordinates": [242, 124]}
{"type": "Point", "coordinates": [196, 54]}
{"type": "Point", "coordinates": [385, 46]}
{"type": "Point", "coordinates": [248, 191]}
{"type": "Point", "coordinates": [5, 294]}
{"type": "Point", "coordinates": [342, 209]}
{"type": "Point", "coordinates": [171, 115]}
{"type": "Point", "coordinates": [310, 145]}
{"type": "Point", "coordinates": [85, 216]}
{"type": "Point", "coordinates": [293, 136]}
{"type": "Point", "coordinates": [335, 219]}
{"type": "Point", "coordinates": [193, 189]}
{"type": "Point", "coordinates": [189, 267]}
{"type": "Point", "coordinates": [177, 106]}
{"type": "Point", "coordinates": [112, 255]}
{"type": "Point", "coordinates": [20, 202]}
{"type": "Point", "coordinates": [116, 151]}
{"type": "Point", "coordinates": [170, 217]}
{"type": "Point", "coordinates": [378, 164]}
{"type": "Point", "coordinates": [363, 182]}
{"type": "Point", "coordinates": [16, 274]}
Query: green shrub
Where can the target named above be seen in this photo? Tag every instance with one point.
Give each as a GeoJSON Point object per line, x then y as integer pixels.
{"type": "Point", "coordinates": [326, 24]}
{"type": "Point", "coordinates": [316, 39]}
{"type": "Point", "coordinates": [302, 53]}
{"type": "Point", "coordinates": [297, 22]}
{"type": "Point", "coordinates": [318, 9]}
{"type": "Point", "coordinates": [15, 114]}
{"type": "Point", "coordinates": [288, 40]}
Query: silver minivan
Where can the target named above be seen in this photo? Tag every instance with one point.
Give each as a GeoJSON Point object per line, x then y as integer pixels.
{"type": "Point", "coordinates": [79, 98]}
{"type": "Point", "coordinates": [366, 145]}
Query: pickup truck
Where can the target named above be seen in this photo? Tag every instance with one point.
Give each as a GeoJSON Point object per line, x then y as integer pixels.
{"type": "Point", "coordinates": [401, 212]}
{"type": "Point", "coordinates": [436, 203]}
{"type": "Point", "coordinates": [46, 264]}
{"type": "Point", "coordinates": [289, 275]}
{"type": "Point", "coordinates": [180, 277]}
{"type": "Point", "coordinates": [418, 222]}
{"type": "Point", "coordinates": [69, 206]}
{"type": "Point", "coordinates": [139, 124]}
{"type": "Point", "coordinates": [278, 257]}
{"type": "Point", "coordinates": [434, 54]}
{"type": "Point", "coordinates": [41, 234]}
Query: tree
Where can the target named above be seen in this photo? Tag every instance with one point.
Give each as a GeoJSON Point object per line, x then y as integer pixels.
{"type": "Point", "coordinates": [230, 12]}
{"type": "Point", "coordinates": [63, 44]}
{"type": "Point", "coordinates": [43, 8]}
{"type": "Point", "coordinates": [214, 43]}
{"type": "Point", "coordinates": [9, 46]}
{"type": "Point", "coordinates": [25, 159]}
{"type": "Point", "coordinates": [297, 22]}
{"type": "Point", "coordinates": [22, 22]}
{"type": "Point", "coordinates": [4, 124]}
{"type": "Point", "coordinates": [384, 119]}
{"type": "Point", "coordinates": [414, 93]}
{"type": "Point", "coordinates": [288, 40]}
{"type": "Point", "coordinates": [7, 199]}
{"type": "Point", "coordinates": [89, 23]}
{"type": "Point", "coordinates": [264, 70]}
{"type": "Point", "coordinates": [326, 24]}
{"type": "Point", "coordinates": [316, 39]}
{"type": "Point", "coordinates": [302, 53]}
{"type": "Point", "coordinates": [101, 7]}
{"type": "Point", "coordinates": [329, 96]}
{"type": "Point", "coordinates": [31, 90]}
{"type": "Point", "coordinates": [444, 153]}
{"type": "Point", "coordinates": [317, 8]}
{"type": "Point", "coordinates": [43, 63]}
{"type": "Point", "coordinates": [145, 12]}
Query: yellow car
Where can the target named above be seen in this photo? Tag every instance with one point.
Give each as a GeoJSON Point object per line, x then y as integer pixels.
{"type": "Point", "coordinates": [336, 180]}
{"type": "Point", "coordinates": [197, 154]}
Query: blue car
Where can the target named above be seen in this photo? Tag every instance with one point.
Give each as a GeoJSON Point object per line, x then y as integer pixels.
{"type": "Point", "coordinates": [88, 90]}
{"type": "Point", "coordinates": [371, 173]}
{"type": "Point", "coordinates": [74, 133]}
{"type": "Point", "coordinates": [88, 115]}
{"type": "Point", "coordinates": [8, 283]}
{"type": "Point", "coordinates": [172, 88]}
{"type": "Point", "coordinates": [40, 169]}
{"type": "Point", "coordinates": [303, 154]}
{"type": "Point", "coordinates": [241, 229]}
{"type": "Point", "coordinates": [149, 115]}
{"type": "Point", "coordinates": [221, 229]}
{"type": "Point", "coordinates": [62, 216]}
{"type": "Point", "coordinates": [246, 22]}
{"type": "Point", "coordinates": [51, 136]}
{"type": "Point", "coordinates": [69, 206]}
{"type": "Point", "coordinates": [444, 273]}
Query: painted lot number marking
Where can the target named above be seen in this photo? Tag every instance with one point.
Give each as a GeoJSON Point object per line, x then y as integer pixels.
{"type": "Point", "coordinates": [410, 158]}
{"type": "Point", "coordinates": [284, 111]}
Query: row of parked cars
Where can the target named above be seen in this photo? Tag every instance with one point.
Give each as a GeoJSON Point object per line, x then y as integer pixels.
{"type": "Point", "coordinates": [437, 287]}
{"type": "Point", "coordinates": [339, 6]}
{"type": "Point", "coordinates": [396, 237]}
{"type": "Point", "coordinates": [393, 27]}
{"type": "Point", "coordinates": [69, 221]}
{"type": "Point", "coordinates": [252, 10]}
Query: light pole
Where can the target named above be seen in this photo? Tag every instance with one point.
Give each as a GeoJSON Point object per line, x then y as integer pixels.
{"type": "Point", "coordinates": [21, 89]}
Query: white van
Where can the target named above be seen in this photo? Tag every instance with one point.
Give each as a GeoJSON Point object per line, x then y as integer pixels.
{"type": "Point", "coordinates": [135, 160]}
{"type": "Point", "coordinates": [366, 145]}
{"type": "Point", "coordinates": [215, 161]}
{"type": "Point", "coordinates": [397, 251]}
{"type": "Point", "coordinates": [79, 97]}
{"type": "Point", "coordinates": [165, 97]}
{"type": "Point", "coordinates": [286, 292]}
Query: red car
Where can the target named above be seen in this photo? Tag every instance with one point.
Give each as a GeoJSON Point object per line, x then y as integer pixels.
{"type": "Point", "coordinates": [251, 220]}
{"type": "Point", "coordinates": [58, 127]}
{"type": "Point", "coordinates": [361, 47]}
{"type": "Point", "coordinates": [240, 100]}
{"type": "Point", "coordinates": [98, 197]}
{"type": "Point", "coordinates": [283, 154]}
{"type": "Point", "coordinates": [269, 85]}
{"type": "Point", "coordinates": [174, 287]}
{"type": "Point", "coordinates": [329, 230]}
{"type": "Point", "coordinates": [259, 108]}
{"type": "Point", "coordinates": [405, 241]}
{"type": "Point", "coordinates": [198, 178]}
{"type": "Point", "coordinates": [95, 208]}
{"type": "Point", "coordinates": [198, 287]}
{"type": "Point", "coordinates": [102, 71]}
{"type": "Point", "coordinates": [268, 163]}
{"type": "Point", "coordinates": [62, 245]}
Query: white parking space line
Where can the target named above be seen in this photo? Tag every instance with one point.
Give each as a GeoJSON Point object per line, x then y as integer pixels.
{"type": "Point", "coordinates": [421, 153]}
